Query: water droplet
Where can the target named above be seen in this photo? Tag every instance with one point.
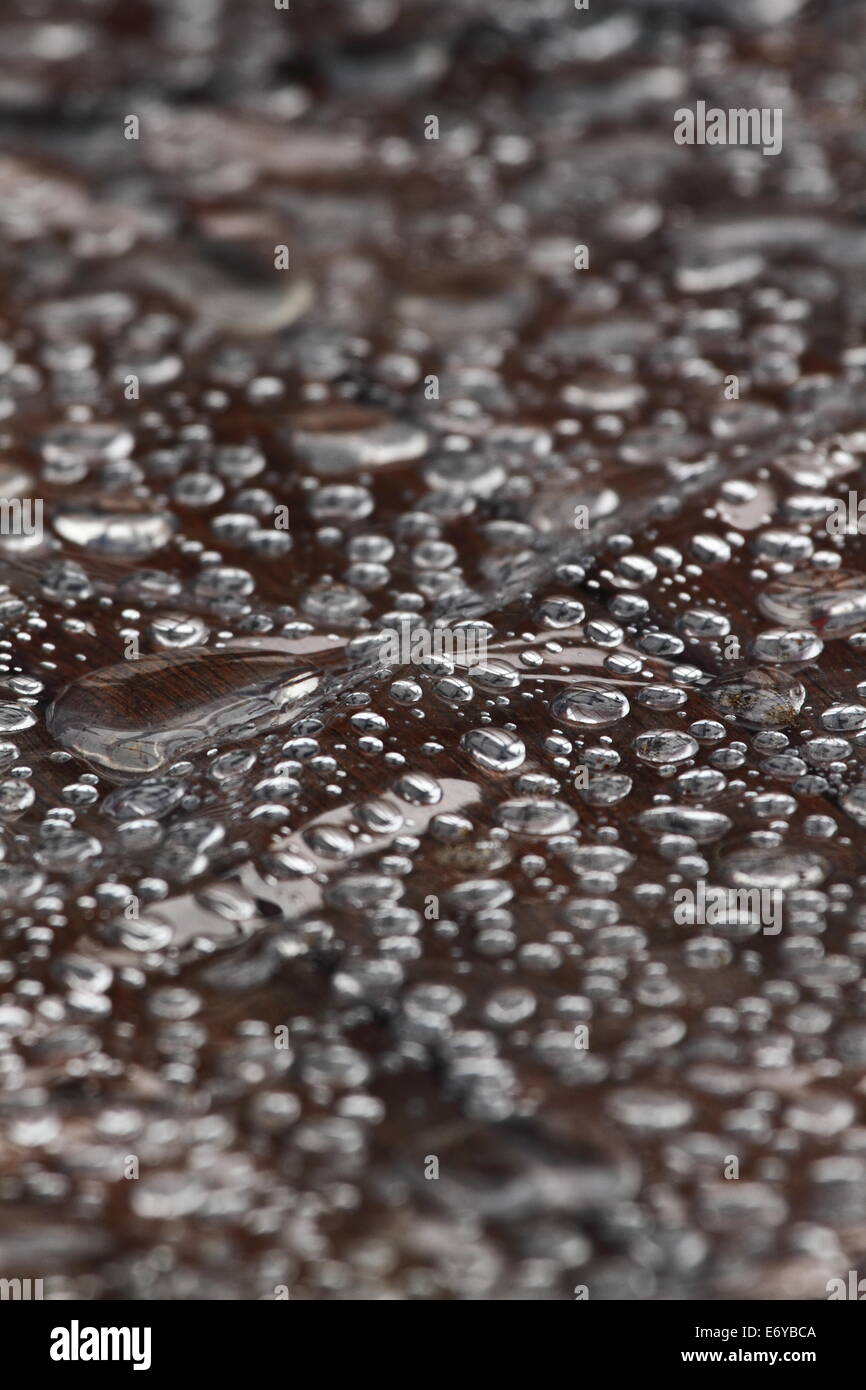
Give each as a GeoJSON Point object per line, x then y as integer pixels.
{"type": "Point", "coordinates": [525, 816]}
{"type": "Point", "coordinates": [833, 603]}
{"type": "Point", "coordinates": [141, 715]}
{"type": "Point", "coordinates": [665, 746]}
{"type": "Point", "coordinates": [15, 717]}
{"type": "Point", "coordinates": [701, 826]}
{"type": "Point", "coordinates": [343, 438]}
{"type": "Point", "coordinates": [782, 645]}
{"type": "Point", "coordinates": [114, 533]}
{"type": "Point", "coordinates": [496, 750]}
{"type": "Point", "coordinates": [757, 698]}
{"type": "Point", "coordinates": [590, 704]}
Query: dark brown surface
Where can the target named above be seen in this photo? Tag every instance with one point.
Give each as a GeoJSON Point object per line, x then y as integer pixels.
{"type": "Point", "coordinates": [432, 929]}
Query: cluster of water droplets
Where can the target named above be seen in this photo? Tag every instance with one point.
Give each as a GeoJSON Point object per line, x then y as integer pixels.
{"type": "Point", "coordinates": [407, 630]}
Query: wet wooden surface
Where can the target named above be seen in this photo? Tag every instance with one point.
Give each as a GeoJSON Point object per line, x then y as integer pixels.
{"type": "Point", "coordinates": [357, 978]}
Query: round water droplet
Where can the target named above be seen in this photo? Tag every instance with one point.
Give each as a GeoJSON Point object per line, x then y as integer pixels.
{"type": "Point", "coordinates": [341, 438]}
{"type": "Point", "coordinates": [590, 704]}
{"type": "Point", "coordinates": [780, 645]}
{"type": "Point", "coordinates": [496, 750]}
{"type": "Point", "coordinates": [844, 718]}
{"type": "Point", "coordinates": [141, 715]}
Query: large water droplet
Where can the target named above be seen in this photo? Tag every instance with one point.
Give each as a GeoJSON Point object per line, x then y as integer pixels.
{"type": "Point", "coordinates": [347, 438]}
{"type": "Point", "coordinates": [853, 803]}
{"type": "Point", "coordinates": [833, 603]}
{"type": "Point", "coordinates": [761, 868]}
{"type": "Point", "coordinates": [115, 533]}
{"type": "Point", "coordinates": [525, 816]}
{"type": "Point", "coordinates": [140, 715]}
{"type": "Point", "coordinates": [497, 750]}
{"type": "Point", "coordinates": [702, 826]}
{"type": "Point", "coordinates": [665, 746]}
{"type": "Point", "coordinates": [590, 704]}
{"type": "Point", "coordinates": [757, 697]}
{"type": "Point", "coordinates": [781, 644]}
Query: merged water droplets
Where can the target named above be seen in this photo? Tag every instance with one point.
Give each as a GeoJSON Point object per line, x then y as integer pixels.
{"type": "Point", "coordinates": [69, 451]}
{"type": "Point", "coordinates": [833, 603]}
{"type": "Point", "coordinates": [126, 721]}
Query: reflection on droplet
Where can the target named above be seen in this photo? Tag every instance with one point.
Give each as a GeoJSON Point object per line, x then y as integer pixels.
{"type": "Point", "coordinates": [702, 826]}
{"type": "Point", "coordinates": [15, 717]}
{"type": "Point", "coordinates": [496, 750]}
{"type": "Point", "coordinates": [525, 816]}
{"type": "Point", "coordinates": [345, 438]}
{"type": "Point", "coordinates": [590, 704]}
{"type": "Point", "coordinates": [853, 803]}
{"type": "Point", "coordinates": [665, 746]}
{"type": "Point", "coordinates": [758, 698]}
{"type": "Point", "coordinates": [833, 603]}
{"type": "Point", "coordinates": [115, 533]}
{"type": "Point", "coordinates": [139, 715]}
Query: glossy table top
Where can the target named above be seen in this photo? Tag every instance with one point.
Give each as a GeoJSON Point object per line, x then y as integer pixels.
{"type": "Point", "coordinates": [433, 650]}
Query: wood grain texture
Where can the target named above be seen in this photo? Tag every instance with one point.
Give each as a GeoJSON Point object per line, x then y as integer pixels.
{"type": "Point", "coordinates": [342, 998]}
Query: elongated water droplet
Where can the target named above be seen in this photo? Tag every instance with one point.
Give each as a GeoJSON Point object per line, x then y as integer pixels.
{"type": "Point", "coordinates": [590, 704]}
{"type": "Point", "coordinates": [140, 715]}
{"type": "Point", "coordinates": [497, 750]}
{"type": "Point", "coordinates": [834, 604]}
